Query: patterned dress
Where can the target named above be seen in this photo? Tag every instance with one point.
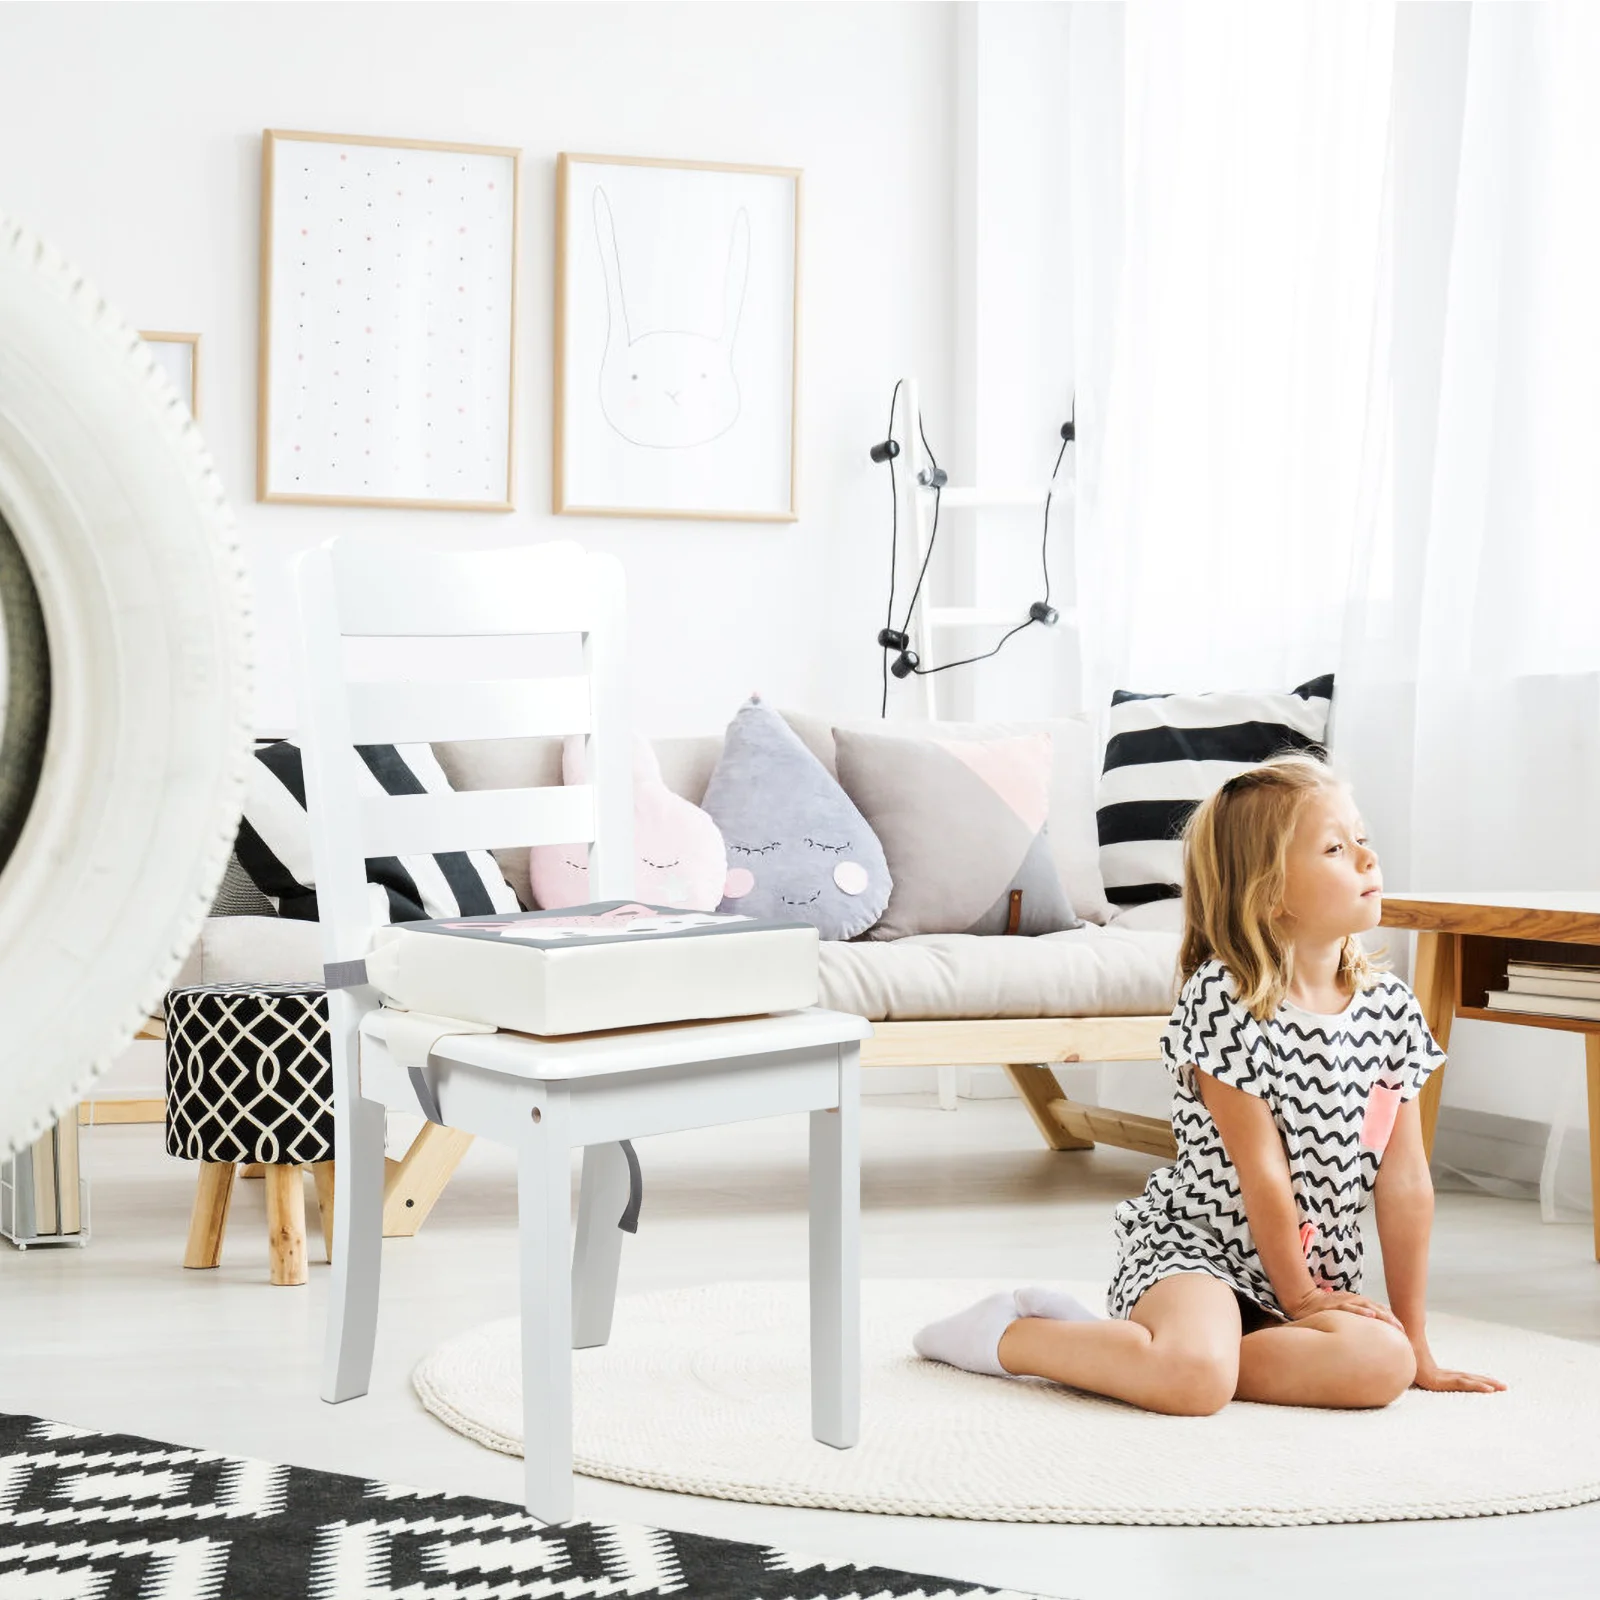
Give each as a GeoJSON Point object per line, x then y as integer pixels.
{"type": "Point", "coordinates": [1334, 1085]}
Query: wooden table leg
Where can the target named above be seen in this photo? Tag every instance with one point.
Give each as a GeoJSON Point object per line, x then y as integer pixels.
{"type": "Point", "coordinates": [1435, 982]}
{"type": "Point", "coordinates": [1038, 1087]}
{"type": "Point", "coordinates": [1591, 1054]}
{"type": "Point", "coordinates": [209, 1219]}
{"type": "Point", "coordinates": [322, 1174]}
{"type": "Point", "coordinates": [286, 1223]}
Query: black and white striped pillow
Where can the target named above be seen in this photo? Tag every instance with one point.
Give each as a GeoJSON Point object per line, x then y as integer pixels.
{"type": "Point", "coordinates": [274, 843]}
{"type": "Point", "coordinates": [1166, 752]}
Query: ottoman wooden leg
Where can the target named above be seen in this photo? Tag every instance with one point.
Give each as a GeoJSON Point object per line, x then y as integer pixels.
{"type": "Point", "coordinates": [286, 1223]}
{"type": "Point", "coordinates": [209, 1219]}
{"type": "Point", "coordinates": [253, 1169]}
{"type": "Point", "coordinates": [322, 1173]}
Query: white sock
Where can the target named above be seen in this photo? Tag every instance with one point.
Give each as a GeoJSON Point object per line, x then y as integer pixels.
{"type": "Point", "coordinates": [971, 1338]}
{"type": "Point", "coordinates": [1056, 1304]}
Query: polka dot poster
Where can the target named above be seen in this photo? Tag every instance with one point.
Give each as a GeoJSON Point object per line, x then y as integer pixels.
{"type": "Point", "coordinates": [389, 315]}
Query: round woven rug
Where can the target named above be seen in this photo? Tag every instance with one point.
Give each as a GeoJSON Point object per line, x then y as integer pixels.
{"type": "Point", "coordinates": [706, 1391]}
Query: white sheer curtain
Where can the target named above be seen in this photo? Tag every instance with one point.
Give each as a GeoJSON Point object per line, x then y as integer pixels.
{"type": "Point", "coordinates": [1228, 166]}
{"type": "Point", "coordinates": [1472, 721]}
{"type": "Point", "coordinates": [1337, 341]}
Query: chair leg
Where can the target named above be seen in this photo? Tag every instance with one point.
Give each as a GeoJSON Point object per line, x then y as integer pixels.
{"type": "Point", "coordinates": [323, 1176]}
{"type": "Point", "coordinates": [357, 1251]}
{"type": "Point", "coordinates": [286, 1222]}
{"type": "Point", "coordinates": [544, 1211]}
{"type": "Point", "coordinates": [947, 1089]}
{"type": "Point", "coordinates": [598, 1255]}
{"type": "Point", "coordinates": [836, 1261]}
{"type": "Point", "coordinates": [208, 1222]}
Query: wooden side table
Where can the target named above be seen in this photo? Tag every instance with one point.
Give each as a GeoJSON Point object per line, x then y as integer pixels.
{"type": "Point", "coordinates": [1463, 944]}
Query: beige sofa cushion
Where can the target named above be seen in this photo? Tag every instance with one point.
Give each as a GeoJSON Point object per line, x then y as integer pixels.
{"type": "Point", "coordinates": [1083, 972]}
{"type": "Point", "coordinates": [254, 950]}
{"type": "Point", "coordinates": [1086, 972]}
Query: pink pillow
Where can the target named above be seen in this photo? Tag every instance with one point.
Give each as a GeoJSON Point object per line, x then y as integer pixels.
{"type": "Point", "coordinates": [680, 858]}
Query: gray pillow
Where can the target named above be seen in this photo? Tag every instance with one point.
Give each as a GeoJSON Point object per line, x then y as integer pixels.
{"type": "Point", "coordinates": [965, 822]}
{"type": "Point", "coordinates": [798, 849]}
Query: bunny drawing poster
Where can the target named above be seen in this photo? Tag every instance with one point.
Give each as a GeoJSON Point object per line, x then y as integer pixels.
{"type": "Point", "coordinates": [676, 339]}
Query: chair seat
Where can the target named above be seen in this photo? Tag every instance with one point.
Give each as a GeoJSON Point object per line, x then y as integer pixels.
{"type": "Point", "coordinates": [593, 1055]}
{"type": "Point", "coordinates": [1083, 972]}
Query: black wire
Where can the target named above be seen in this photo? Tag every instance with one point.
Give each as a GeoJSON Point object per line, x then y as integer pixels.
{"type": "Point", "coordinates": [966, 661]}
{"type": "Point", "coordinates": [1044, 559]}
{"type": "Point", "coordinates": [894, 548]}
{"type": "Point", "coordinates": [1044, 542]}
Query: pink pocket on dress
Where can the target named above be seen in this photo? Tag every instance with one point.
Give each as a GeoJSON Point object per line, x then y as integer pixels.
{"type": "Point", "coordinates": [1383, 1105]}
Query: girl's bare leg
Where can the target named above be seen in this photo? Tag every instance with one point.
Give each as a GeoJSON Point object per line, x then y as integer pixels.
{"type": "Point", "coordinates": [1332, 1358]}
{"type": "Point", "coordinates": [1178, 1353]}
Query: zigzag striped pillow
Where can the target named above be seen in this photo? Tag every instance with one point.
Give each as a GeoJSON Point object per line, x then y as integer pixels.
{"type": "Point", "coordinates": [1166, 752]}
{"type": "Point", "coordinates": [274, 844]}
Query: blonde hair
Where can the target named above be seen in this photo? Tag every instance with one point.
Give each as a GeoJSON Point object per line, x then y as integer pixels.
{"type": "Point", "coordinates": [1235, 851]}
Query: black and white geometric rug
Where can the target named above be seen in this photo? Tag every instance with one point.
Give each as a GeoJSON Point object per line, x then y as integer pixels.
{"type": "Point", "coordinates": [104, 1516]}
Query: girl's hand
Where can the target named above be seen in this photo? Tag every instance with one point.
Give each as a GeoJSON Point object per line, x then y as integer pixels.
{"type": "Point", "coordinates": [1430, 1375]}
{"type": "Point", "coordinates": [1338, 1300]}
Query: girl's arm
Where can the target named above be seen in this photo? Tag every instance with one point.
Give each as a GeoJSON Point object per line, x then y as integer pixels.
{"type": "Point", "coordinates": [1251, 1139]}
{"type": "Point", "coordinates": [1403, 1197]}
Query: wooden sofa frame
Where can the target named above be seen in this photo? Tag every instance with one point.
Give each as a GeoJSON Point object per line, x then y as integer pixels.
{"type": "Point", "coordinates": [1029, 1047]}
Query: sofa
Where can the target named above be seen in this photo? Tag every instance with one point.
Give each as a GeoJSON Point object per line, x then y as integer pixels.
{"type": "Point", "coordinates": [1097, 993]}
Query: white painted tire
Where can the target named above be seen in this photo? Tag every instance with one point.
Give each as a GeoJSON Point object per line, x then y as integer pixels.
{"type": "Point", "coordinates": [122, 521]}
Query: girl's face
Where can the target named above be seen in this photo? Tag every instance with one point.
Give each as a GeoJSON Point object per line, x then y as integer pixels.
{"type": "Point", "coordinates": [1332, 886]}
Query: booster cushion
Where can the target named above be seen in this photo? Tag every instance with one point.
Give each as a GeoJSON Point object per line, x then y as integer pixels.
{"type": "Point", "coordinates": [611, 964]}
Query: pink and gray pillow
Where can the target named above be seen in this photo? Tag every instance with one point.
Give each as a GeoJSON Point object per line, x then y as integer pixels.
{"type": "Point", "coordinates": [964, 827]}
{"type": "Point", "coordinates": [798, 849]}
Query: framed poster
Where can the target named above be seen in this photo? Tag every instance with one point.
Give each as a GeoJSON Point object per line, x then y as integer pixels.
{"type": "Point", "coordinates": [178, 355]}
{"type": "Point", "coordinates": [388, 322]}
{"type": "Point", "coordinates": [676, 339]}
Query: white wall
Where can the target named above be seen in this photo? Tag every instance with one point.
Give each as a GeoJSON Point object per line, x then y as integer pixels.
{"type": "Point", "coordinates": [130, 138]}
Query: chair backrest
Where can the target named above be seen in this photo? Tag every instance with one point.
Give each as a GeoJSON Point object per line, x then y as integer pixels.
{"type": "Point", "coordinates": [351, 588]}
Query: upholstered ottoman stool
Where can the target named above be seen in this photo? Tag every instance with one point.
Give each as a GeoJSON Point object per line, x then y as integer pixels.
{"type": "Point", "coordinates": [250, 1079]}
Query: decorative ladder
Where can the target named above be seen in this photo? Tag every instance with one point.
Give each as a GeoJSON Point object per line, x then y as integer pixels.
{"type": "Point", "coordinates": [913, 469]}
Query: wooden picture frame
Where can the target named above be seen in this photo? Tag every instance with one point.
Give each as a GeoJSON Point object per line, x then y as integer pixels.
{"type": "Point", "coordinates": [362, 325]}
{"type": "Point", "coordinates": [688, 271]}
{"type": "Point", "coordinates": [178, 354]}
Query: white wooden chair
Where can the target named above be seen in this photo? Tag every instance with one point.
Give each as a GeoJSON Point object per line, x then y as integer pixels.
{"type": "Point", "coordinates": [542, 1097]}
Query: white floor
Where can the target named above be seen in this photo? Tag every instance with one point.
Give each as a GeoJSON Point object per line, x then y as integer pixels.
{"type": "Point", "coordinates": [118, 1336]}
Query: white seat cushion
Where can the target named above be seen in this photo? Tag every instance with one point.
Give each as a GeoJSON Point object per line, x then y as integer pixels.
{"type": "Point", "coordinates": [1082, 972]}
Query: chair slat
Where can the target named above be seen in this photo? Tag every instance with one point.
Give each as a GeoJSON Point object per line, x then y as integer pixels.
{"type": "Point", "coordinates": [477, 819]}
{"type": "Point", "coordinates": [527, 589]}
{"type": "Point", "coordinates": [415, 713]}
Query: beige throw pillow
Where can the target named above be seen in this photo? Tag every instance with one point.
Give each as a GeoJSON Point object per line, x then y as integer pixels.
{"type": "Point", "coordinates": [964, 825]}
{"type": "Point", "coordinates": [1074, 770]}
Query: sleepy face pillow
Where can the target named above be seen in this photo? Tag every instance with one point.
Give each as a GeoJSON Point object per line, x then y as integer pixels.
{"type": "Point", "coordinates": [798, 849]}
{"type": "Point", "coordinates": [678, 856]}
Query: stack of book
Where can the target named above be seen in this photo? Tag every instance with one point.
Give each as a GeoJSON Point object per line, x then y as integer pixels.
{"type": "Point", "coordinates": [1544, 989]}
{"type": "Point", "coordinates": [39, 1188]}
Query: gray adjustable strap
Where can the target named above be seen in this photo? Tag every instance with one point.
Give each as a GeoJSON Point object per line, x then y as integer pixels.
{"type": "Point", "coordinates": [629, 1220]}
{"type": "Point", "coordinates": [344, 974]}
{"type": "Point", "coordinates": [427, 1100]}
{"type": "Point", "coordinates": [411, 1037]}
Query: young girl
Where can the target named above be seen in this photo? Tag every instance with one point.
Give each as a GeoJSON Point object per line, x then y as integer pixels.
{"type": "Point", "coordinates": [1298, 1064]}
